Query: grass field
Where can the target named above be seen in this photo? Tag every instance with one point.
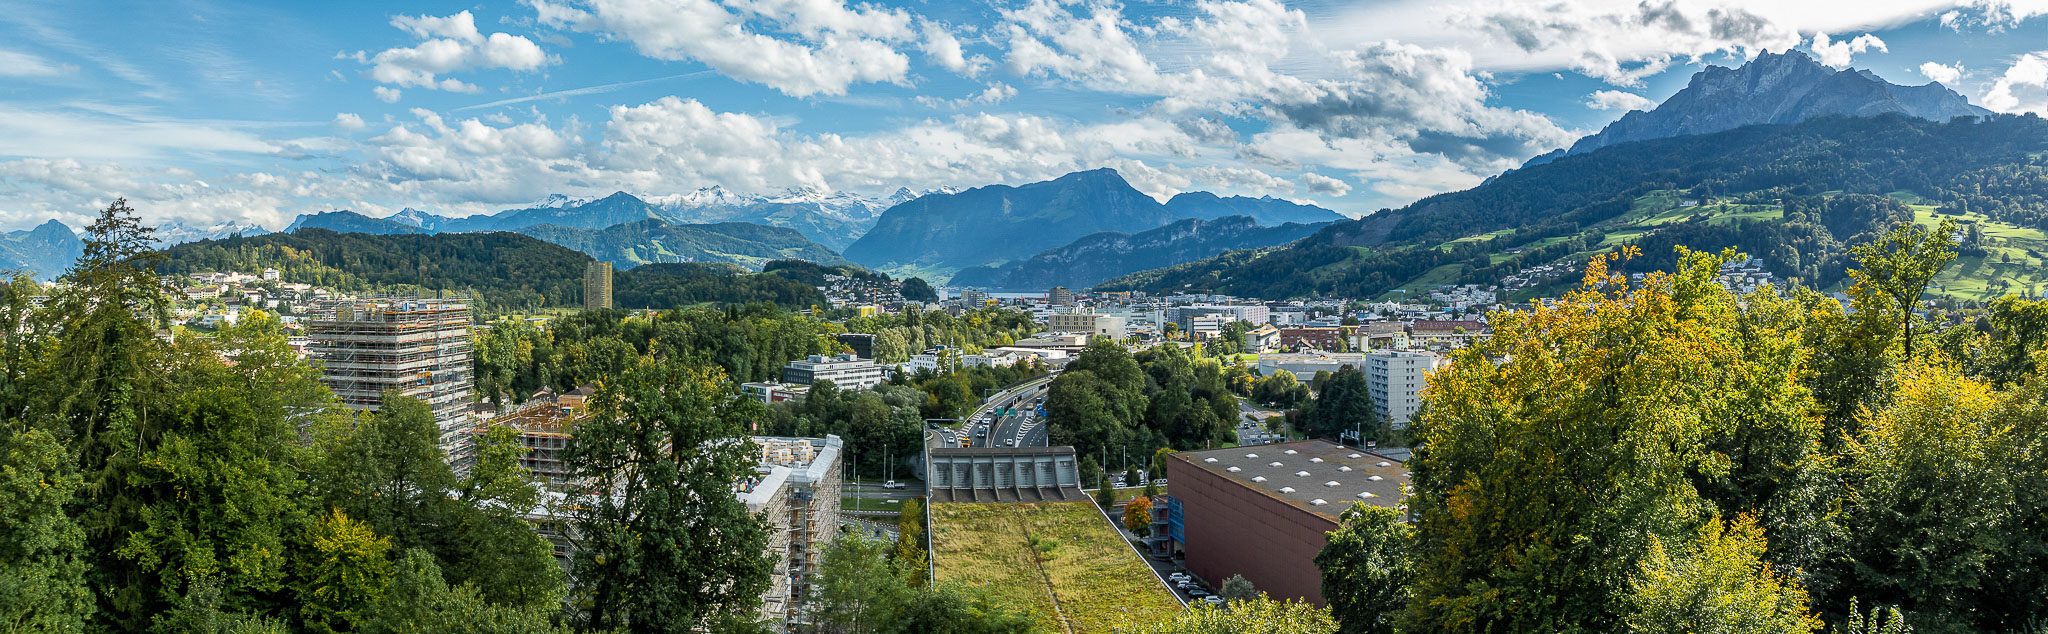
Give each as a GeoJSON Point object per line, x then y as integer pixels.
{"type": "Point", "coordinates": [2012, 264]}
{"type": "Point", "coordinates": [1059, 561]}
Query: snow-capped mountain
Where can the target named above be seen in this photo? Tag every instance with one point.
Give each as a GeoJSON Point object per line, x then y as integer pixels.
{"type": "Point", "coordinates": [834, 219]}
{"type": "Point", "coordinates": [416, 218]}
{"type": "Point", "coordinates": [179, 231]}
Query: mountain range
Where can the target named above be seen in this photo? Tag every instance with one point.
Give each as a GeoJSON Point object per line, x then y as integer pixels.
{"type": "Point", "coordinates": [1773, 88]}
{"type": "Point", "coordinates": [1101, 256]}
{"type": "Point", "coordinates": [831, 219]}
{"type": "Point", "coordinates": [940, 234]}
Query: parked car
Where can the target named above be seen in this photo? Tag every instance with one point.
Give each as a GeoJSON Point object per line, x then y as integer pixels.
{"type": "Point", "coordinates": [1197, 592]}
{"type": "Point", "coordinates": [1213, 600]}
{"type": "Point", "coordinates": [1178, 577]}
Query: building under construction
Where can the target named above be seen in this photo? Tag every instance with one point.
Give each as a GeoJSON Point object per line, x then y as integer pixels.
{"type": "Point", "coordinates": [418, 347]}
{"type": "Point", "coordinates": [545, 425]}
{"type": "Point", "coordinates": [795, 488]}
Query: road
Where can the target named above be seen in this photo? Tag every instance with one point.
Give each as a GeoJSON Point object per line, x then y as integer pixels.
{"type": "Point", "coordinates": [1022, 429]}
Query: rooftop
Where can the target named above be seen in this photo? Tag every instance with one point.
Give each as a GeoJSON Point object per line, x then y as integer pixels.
{"type": "Point", "coordinates": [1314, 475]}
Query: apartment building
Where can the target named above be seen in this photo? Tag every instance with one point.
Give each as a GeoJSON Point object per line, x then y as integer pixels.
{"type": "Point", "coordinates": [1396, 379]}
{"type": "Point", "coordinates": [597, 285]}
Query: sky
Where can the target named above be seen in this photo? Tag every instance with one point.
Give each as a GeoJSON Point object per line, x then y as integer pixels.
{"type": "Point", "coordinates": [204, 111]}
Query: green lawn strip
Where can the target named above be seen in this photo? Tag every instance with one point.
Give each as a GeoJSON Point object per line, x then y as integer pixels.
{"type": "Point", "coordinates": [979, 546]}
{"type": "Point", "coordinates": [1078, 558]}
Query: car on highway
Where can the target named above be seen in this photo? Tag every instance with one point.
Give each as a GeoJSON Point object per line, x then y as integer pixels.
{"type": "Point", "coordinates": [892, 484]}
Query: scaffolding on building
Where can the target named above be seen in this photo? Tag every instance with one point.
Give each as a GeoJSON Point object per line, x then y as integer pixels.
{"type": "Point", "coordinates": [417, 347]}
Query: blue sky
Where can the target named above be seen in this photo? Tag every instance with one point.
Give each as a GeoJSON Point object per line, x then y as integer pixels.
{"type": "Point", "coordinates": [258, 111]}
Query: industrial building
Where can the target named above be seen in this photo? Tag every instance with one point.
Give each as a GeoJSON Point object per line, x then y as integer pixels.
{"type": "Point", "coordinates": [1003, 474]}
{"type": "Point", "coordinates": [416, 347]}
{"type": "Point", "coordinates": [1265, 512]}
{"type": "Point", "coordinates": [597, 285]}
{"type": "Point", "coordinates": [1396, 379]}
{"type": "Point", "coordinates": [796, 489]}
{"type": "Point", "coordinates": [845, 371]}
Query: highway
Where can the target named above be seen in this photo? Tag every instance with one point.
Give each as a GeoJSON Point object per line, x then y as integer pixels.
{"type": "Point", "coordinates": [1022, 429]}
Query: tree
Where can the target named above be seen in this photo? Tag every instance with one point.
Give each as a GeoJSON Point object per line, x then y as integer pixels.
{"type": "Point", "coordinates": [1277, 390]}
{"type": "Point", "coordinates": [1261, 615]}
{"type": "Point", "coordinates": [1901, 263]}
{"type": "Point", "coordinates": [917, 290]}
{"type": "Point", "coordinates": [663, 542]}
{"type": "Point", "coordinates": [1344, 404]}
{"type": "Point", "coordinates": [386, 469]}
{"type": "Point", "coordinates": [1237, 589]}
{"type": "Point", "coordinates": [347, 570]}
{"type": "Point", "coordinates": [858, 592]}
{"type": "Point", "coordinates": [42, 560]}
{"type": "Point", "coordinates": [1716, 583]}
{"type": "Point", "coordinates": [419, 601]}
{"type": "Point", "coordinates": [1945, 498]}
{"type": "Point", "coordinates": [1558, 447]}
{"type": "Point", "coordinates": [1138, 515]}
{"type": "Point", "coordinates": [912, 557]}
{"type": "Point", "coordinates": [1367, 568]}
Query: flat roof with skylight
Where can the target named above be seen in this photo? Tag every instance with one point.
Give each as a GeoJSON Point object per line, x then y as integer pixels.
{"type": "Point", "coordinates": [1315, 475]}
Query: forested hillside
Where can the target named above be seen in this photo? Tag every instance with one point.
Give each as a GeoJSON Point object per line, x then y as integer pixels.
{"type": "Point", "coordinates": [1795, 196]}
{"type": "Point", "coordinates": [687, 284]}
{"type": "Point", "coordinates": [501, 270]}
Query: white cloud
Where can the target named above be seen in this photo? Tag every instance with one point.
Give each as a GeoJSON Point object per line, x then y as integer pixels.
{"type": "Point", "coordinates": [19, 64]}
{"type": "Point", "coordinates": [1943, 73]}
{"type": "Point", "coordinates": [832, 48]}
{"type": "Point", "coordinates": [1618, 100]}
{"type": "Point", "coordinates": [348, 121]}
{"type": "Point", "coordinates": [1839, 54]}
{"type": "Point", "coordinates": [943, 49]}
{"type": "Point", "coordinates": [387, 95]}
{"type": "Point", "coordinates": [451, 44]}
{"type": "Point", "coordinates": [1320, 184]}
{"type": "Point", "coordinates": [2026, 77]}
{"type": "Point", "coordinates": [88, 131]}
{"type": "Point", "coordinates": [995, 93]}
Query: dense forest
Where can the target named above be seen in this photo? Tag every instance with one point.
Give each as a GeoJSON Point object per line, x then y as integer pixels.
{"type": "Point", "coordinates": [689, 284]}
{"type": "Point", "coordinates": [1990, 166]}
